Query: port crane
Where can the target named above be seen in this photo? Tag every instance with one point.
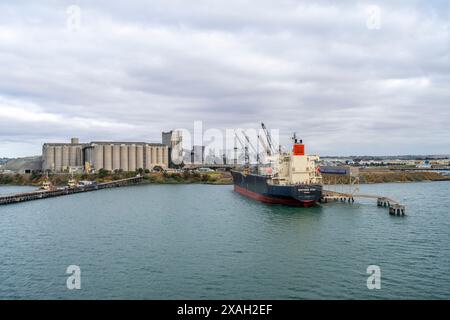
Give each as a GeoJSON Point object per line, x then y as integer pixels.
{"type": "Point", "coordinates": [246, 156]}
{"type": "Point", "coordinates": [255, 150]}
{"type": "Point", "coordinates": [270, 150]}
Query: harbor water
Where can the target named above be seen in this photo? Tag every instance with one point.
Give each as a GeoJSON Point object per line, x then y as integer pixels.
{"type": "Point", "coordinates": [207, 242]}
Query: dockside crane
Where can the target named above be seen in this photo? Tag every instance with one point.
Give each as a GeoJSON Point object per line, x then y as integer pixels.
{"type": "Point", "coordinates": [271, 149]}
{"type": "Point", "coordinates": [251, 145]}
{"type": "Point", "coordinates": [246, 157]}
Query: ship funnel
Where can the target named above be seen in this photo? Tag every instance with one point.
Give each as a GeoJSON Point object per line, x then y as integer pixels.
{"type": "Point", "coordinates": [298, 149]}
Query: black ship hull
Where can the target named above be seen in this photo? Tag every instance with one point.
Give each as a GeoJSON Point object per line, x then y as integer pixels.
{"type": "Point", "coordinates": [256, 187]}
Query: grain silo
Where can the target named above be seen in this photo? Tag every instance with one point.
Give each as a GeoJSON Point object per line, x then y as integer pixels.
{"type": "Point", "coordinates": [124, 157]}
{"type": "Point", "coordinates": [48, 157]}
{"type": "Point", "coordinates": [139, 156]}
{"type": "Point", "coordinates": [116, 157]}
{"type": "Point", "coordinates": [147, 158]}
{"type": "Point", "coordinates": [58, 158]}
{"type": "Point", "coordinates": [73, 156]}
{"type": "Point", "coordinates": [65, 157]}
{"type": "Point", "coordinates": [107, 157]}
{"type": "Point", "coordinates": [98, 157]}
{"type": "Point", "coordinates": [132, 157]}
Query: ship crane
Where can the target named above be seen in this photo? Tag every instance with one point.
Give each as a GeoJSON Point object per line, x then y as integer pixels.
{"type": "Point", "coordinates": [271, 150]}
{"type": "Point", "coordinates": [246, 157]}
{"type": "Point", "coordinates": [253, 148]}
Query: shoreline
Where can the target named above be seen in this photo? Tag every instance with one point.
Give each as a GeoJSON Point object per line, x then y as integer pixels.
{"type": "Point", "coordinates": [213, 178]}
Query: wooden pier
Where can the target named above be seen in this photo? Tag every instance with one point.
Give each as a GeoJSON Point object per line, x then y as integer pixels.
{"type": "Point", "coordinates": [395, 208]}
{"type": "Point", "coordinates": [42, 194]}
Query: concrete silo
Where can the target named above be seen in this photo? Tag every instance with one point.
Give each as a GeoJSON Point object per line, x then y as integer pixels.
{"type": "Point", "coordinates": [153, 149]}
{"type": "Point", "coordinates": [73, 156]}
{"type": "Point", "coordinates": [116, 157]}
{"type": "Point", "coordinates": [132, 157]}
{"type": "Point", "coordinates": [48, 157]}
{"type": "Point", "coordinates": [165, 156]}
{"type": "Point", "coordinates": [107, 157]}
{"type": "Point", "coordinates": [79, 156]}
{"type": "Point", "coordinates": [58, 158]}
{"type": "Point", "coordinates": [65, 157]}
{"type": "Point", "coordinates": [148, 159]}
{"type": "Point", "coordinates": [139, 156]}
{"type": "Point", "coordinates": [98, 157]}
{"type": "Point", "coordinates": [124, 157]}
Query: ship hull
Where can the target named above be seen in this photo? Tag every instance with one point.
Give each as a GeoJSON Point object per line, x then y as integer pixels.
{"type": "Point", "coordinates": [256, 187]}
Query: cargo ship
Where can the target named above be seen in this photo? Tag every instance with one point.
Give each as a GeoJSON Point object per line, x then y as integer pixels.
{"type": "Point", "coordinates": [290, 178]}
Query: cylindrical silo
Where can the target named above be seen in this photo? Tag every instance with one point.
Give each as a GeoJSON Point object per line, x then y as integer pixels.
{"type": "Point", "coordinates": [58, 159]}
{"type": "Point", "coordinates": [73, 156]}
{"type": "Point", "coordinates": [158, 155]}
{"type": "Point", "coordinates": [65, 157]}
{"type": "Point", "coordinates": [107, 157]}
{"type": "Point", "coordinates": [165, 155]}
{"type": "Point", "coordinates": [116, 157]}
{"type": "Point", "coordinates": [98, 157]}
{"type": "Point", "coordinates": [48, 155]}
{"type": "Point", "coordinates": [124, 157]}
{"type": "Point", "coordinates": [139, 156]}
{"type": "Point", "coordinates": [79, 157]}
{"type": "Point", "coordinates": [153, 149]}
{"type": "Point", "coordinates": [132, 157]}
{"type": "Point", "coordinates": [148, 159]}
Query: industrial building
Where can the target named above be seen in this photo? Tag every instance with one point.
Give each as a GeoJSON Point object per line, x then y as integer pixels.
{"type": "Point", "coordinates": [110, 156]}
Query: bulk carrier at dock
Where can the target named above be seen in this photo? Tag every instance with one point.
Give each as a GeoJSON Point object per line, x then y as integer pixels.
{"type": "Point", "coordinates": [289, 178]}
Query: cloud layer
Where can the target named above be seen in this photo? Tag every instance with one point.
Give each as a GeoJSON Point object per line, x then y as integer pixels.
{"type": "Point", "coordinates": [130, 70]}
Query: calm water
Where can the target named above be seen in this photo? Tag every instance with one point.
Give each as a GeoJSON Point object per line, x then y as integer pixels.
{"type": "Point", "coordinates": [198, 241]}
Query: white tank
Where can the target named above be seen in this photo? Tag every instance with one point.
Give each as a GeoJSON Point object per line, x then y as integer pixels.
{"type": "Point", "coordinates": [139, 156]}
{"type": "Point", "coordinates": [107, 157]}
{"type": "Point", "coordinates": [124, 157]}
{"type": "Point", "coordinates": [132, 157]}
{"type": "Point", "coordinates": [98, 157]}
{"type": "Point", "coordinates": [116, 157]}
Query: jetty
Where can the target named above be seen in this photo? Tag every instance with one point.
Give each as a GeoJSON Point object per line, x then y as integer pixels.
{"type": "Point", "coordinates": [395, 207]}
{"type": "Point", "coordinates": [43, 194]}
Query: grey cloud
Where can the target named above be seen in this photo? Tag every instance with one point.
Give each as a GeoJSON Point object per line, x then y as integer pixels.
{"type": "Point", "coordinates": [138, 67]}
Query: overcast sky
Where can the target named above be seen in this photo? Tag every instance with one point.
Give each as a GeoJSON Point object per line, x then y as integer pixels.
{"type": "Point", "coordinates": [349, 77]}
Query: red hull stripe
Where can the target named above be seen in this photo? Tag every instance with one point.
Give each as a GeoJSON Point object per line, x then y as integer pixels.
{"type": "Point", "coordinates": [272, 200]}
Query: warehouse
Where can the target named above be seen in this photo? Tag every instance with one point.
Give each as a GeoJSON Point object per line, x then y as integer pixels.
{"type": "Point", "coordinates": [110, 156]}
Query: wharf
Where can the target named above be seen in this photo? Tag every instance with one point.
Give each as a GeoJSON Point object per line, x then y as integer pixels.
{"type": "Point", "coordinates": [395, 208]}
{"type": "Point", "coordinates": [42, 194]}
